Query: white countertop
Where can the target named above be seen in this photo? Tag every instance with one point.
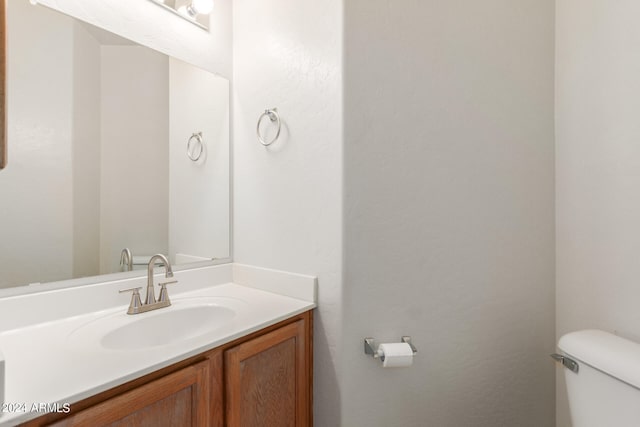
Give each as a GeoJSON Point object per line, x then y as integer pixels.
{"type": "Point", "coordinates": [44, 364]}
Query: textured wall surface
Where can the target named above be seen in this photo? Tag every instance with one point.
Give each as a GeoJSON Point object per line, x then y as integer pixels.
{"type": "Point", "coordinates": [598, 170]}
{"type": "Point", "coordinates": [449, 211]}
{"type": "Point", "coordinates": [135, 137]}
{"type": "Point", "coordinates": [36, 187]}
{"type": "Point", "coordinates": [86, 153]}
{"type": "Point", "coordinates": [288, 197]}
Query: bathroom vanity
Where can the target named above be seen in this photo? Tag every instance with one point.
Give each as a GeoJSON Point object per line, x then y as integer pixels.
{"type": "Point", "coordinates": [258, 380]}
{"type": "Point", "coordinates": [234, 348]}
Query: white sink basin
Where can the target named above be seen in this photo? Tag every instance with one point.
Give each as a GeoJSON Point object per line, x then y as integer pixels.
{"type": "Point", "coordinates": [185, 319]}
{"type": "Point", "coordinates": [167, 327]}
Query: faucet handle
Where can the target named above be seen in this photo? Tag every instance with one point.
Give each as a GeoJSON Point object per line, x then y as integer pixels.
{"type": "Point", "coordinates": [164, 295]}
{"type": "Point", "coordinates": [163, 284]}
{"type": "Point", "coordinates": [134, 290]}
{"type": "Point", "coordinates": [136, 303]}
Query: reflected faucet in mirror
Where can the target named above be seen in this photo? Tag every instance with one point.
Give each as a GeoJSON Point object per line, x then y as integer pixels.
{"type": "Point", "coordinates": [150, 303]}
{"type": "Point", "coordinates": [126, 260]}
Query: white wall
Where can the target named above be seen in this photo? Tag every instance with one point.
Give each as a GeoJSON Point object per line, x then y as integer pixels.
{"type": "Point", "coordinates": [198, 102]}
{"type": "Point", "coordinates": [150, 25]}
{"type": "Point", "coordinates": [449, 211]}
{"type": "Point", "coordinates": [39, 245]}
{"type": "Point", "coordinates": [86, 153]}
{"type": "Point", "coordinates": [448, 216]}
{"type": "Point", "coordinates": [134, 179]}
{"type": "Point", "coordinates": [288, 197]}
{"type": "Point", "coordinates": [598, 170]}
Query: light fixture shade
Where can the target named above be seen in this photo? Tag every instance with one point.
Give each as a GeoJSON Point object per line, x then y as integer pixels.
{"type": "Point", "coordinates": [202, 6]}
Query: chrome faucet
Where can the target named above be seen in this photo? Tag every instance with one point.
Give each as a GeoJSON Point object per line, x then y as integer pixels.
{"type": "Point", "coordinates": [126, 259]}
{"type": "Point", "coordinates": [168, 273]}
{"type": "Point", "coordinates": [150, 302]}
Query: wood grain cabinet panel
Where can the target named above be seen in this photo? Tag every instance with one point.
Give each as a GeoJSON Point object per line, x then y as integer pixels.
{"type": "Point", "coordinates": [178, 399]}
{"type": "Point", "coordinates": [266, 380]}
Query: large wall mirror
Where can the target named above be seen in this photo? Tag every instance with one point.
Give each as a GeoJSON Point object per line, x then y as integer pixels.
{"type": "Point", "coordinates": [111, 146]}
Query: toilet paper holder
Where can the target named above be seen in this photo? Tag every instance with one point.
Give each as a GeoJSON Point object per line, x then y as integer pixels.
{"type": "Point", "coordinates": [371, 349]}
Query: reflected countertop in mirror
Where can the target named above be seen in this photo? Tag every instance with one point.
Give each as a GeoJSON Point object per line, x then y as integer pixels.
{"type": "Point", "coordinates": [98, 128]}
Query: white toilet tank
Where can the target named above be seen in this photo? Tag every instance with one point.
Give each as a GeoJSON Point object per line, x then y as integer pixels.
{"type": "Point", "coordinates": [606, 389]}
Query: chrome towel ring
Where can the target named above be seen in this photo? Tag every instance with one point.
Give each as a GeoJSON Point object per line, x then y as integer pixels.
{"type": "Point", "coordinates": [274, 117]}
{"type": "Point", "coordinates": [195, 146]}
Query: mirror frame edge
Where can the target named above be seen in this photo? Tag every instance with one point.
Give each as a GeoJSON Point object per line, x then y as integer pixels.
{"type": "Point", "coordinates": [3, 84]}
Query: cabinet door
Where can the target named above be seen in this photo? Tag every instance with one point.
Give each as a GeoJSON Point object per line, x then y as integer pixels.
{"type": "Point", "coordinates": [178, 399]}
{"type": "Point", "coordinates": [267, 380]}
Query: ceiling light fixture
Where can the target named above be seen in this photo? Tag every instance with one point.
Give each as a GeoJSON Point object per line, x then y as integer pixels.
{"type": "Point", "coordinates": [195, 11]}
{"type": "Point", "coordinates": [199, 7]}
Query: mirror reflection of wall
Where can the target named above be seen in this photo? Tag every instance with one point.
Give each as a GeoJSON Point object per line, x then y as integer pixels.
{"type": "Point", "coordinates": [98, 128]}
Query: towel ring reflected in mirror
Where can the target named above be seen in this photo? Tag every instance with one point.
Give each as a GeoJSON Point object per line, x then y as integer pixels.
{"type": "Point", "coordinates": [195, 146]}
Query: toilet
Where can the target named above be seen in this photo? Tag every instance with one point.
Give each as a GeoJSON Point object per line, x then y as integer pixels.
{"type": "Point", "coordinates": [602, 373]}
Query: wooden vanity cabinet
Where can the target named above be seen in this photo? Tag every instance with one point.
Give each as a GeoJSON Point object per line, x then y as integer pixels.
{"type": "Point", "coordinates": [261, 380]}
{"type": "Point", "coordinates": [177, 399]}
{"type": "Point", "coordinates": [267, 380]}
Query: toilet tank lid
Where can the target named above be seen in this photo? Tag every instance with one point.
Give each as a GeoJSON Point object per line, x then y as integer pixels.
{"type": "Point", "coordinates": [606, 352]}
